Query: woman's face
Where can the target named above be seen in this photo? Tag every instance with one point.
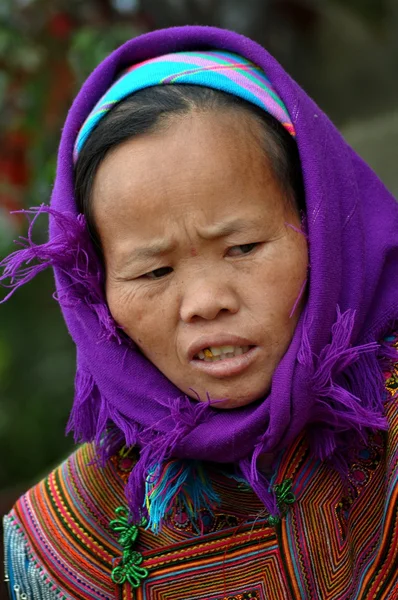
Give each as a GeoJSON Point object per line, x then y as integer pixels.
{"type": "Point", "coordinates": [202, 267]}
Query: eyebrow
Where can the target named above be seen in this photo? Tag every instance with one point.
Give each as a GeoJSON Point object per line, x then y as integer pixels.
{"type": "Point", "coordinates": [224, 229]}
{"type": "Point", "coordinates": [166, 246]}
{"type": "Point", "coordinates": [156, 249]}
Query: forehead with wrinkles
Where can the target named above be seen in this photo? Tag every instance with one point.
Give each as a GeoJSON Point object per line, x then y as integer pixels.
{"type": "Point", "coordinates": [203, 164]}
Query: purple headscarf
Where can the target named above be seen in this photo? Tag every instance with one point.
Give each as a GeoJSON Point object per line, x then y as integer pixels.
{"type": "Point", "coordinates": [329, 381]}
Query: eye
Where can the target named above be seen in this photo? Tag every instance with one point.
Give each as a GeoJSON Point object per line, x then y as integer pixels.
{"type": "Point", "coordinates": [158, 273]}
{"type": "Point", "coordinates": [242, 249]}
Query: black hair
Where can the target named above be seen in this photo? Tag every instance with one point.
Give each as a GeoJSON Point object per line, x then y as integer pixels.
{"type": "Point", "coordinates": [147, 110]}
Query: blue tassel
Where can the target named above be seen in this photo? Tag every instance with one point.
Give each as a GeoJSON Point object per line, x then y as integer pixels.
{"type": "Point", "coordinates": [184, 482]}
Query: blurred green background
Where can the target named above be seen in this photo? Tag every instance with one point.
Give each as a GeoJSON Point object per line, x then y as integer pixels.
{"type": "Point", "coordinates": [343, 52]}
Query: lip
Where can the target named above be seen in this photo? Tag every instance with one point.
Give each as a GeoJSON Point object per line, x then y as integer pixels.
{"type": "Point", "coordinates": [228, 366]}
{"type": "Point", "coordinates": [216, 340]}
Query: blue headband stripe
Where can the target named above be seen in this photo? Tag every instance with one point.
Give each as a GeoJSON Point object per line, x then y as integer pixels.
{"type": "Point", "coordinates": [222, 71]}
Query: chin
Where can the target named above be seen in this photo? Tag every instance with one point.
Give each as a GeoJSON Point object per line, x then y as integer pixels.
{"type": "Point", "coordinates": [233, 400]}
{"type": "Point", "coordinates": [233, 404]}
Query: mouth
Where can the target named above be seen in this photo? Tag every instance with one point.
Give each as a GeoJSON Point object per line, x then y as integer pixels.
{"type": "Point", "coordinates": [216, 353]}
{"type": "Point", "coordinates": [225, 361]}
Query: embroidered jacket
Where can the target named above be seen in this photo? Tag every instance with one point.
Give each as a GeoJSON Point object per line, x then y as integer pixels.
{"type": "Point", "coordinates": [336, 541]}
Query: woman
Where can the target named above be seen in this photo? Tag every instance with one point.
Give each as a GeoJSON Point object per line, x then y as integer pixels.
{"type": "Point", "coordinates": [227, 268]}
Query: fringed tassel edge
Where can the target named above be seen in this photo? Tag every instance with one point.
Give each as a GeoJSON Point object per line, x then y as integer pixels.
{"type": "Point", "coordinates": [71, 252]}
{"type": "Point", "coordinates": [156, 477]}
{"type": "Point", "coordinates": [347, 383]}
{"type": "Point", "coordinates": [26, 579]}
{"type": "Point", "coordinates": [157, 452]}
{"type": "Point", "coordinates": [184, 482]}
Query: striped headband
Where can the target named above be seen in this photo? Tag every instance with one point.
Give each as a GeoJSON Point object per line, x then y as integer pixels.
{"type": "Point", "coordinates": [215, 69]}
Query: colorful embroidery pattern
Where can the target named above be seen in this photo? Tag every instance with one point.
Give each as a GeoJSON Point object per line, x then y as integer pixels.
{"type": "Point", "coordinates": [245, 596]}
{"type": "Point", "coordinates": [360, 475]}
{"type": "Point", "coordinates": [335, 541]}
{"type": "Point", "coordinates": [391, 374]}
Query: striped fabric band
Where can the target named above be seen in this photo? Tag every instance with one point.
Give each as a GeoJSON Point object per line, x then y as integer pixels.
{"type": "Point", "coordinates": [219, 70]}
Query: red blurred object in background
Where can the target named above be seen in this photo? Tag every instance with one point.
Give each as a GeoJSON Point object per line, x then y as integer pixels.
{"type": "Point", "coordinates": [13, 162]}
{"type": "Point", "coordinates": [14, 171]}
{"type": "Point", "coordinates": [60, 26]}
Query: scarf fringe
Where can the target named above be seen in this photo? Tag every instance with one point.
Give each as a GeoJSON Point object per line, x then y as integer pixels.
{"type": "Point", "coordinates": [94, 419]}
{"type": "Point", "coordinates": [157, 480]}
{"type": "Point", "coordinates": [388, 354]}
{"type": "Point", "coordinates": [184, 482]}
{"type": "Point", "coordinates": [71, 252]}
{"type": "Point", "coordinates": [261, 485]}
{"type": "Point", "coordinates": [348, 386]}
{"type": "Point", "coordinates": [155, 450]}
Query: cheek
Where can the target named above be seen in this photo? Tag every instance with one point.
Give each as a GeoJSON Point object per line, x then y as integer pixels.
{"type": "Point", "coordinates": [283, 277]}
{"type": "Point", "coordinates": [279, 286]}
{"type": "Point", "coordinates": [143, 319]}
{"type": "Point", "coordinates": [294, 259]}
{"type": "Point", "coordinates": [295, 277]}
{"type": "Point", "coordinates": [125, 307]}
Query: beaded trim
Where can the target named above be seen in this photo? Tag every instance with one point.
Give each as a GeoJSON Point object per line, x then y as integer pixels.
{"type": "Point", "coordinates": [26, 580]}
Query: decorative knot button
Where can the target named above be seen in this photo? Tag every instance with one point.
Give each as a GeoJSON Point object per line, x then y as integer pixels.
{"type": "Point", "coordinates": [129, 569]}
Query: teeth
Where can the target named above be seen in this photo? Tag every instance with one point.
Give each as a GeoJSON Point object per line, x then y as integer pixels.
{"type": "Point", "coordinates": [215, 353]}
{"type": "Point", "coordinates": [217, 350]}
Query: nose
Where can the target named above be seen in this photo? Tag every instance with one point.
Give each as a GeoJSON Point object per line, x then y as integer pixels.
{"type": "Point", "coordinates": [206, 297]}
